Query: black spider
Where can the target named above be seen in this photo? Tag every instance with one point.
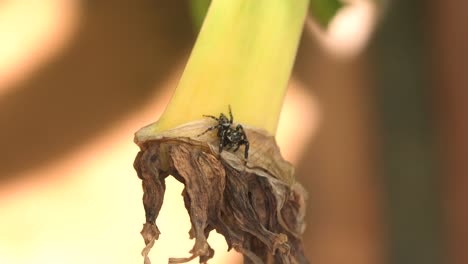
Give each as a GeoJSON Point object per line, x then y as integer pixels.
{"type": "Point", "coordinates": [229, 137]}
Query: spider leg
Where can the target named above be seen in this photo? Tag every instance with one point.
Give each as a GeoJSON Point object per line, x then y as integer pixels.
{"type": "Point", "coordinates": [246, 153]}
{"type": "Point", "coordinates": [221, 141]}
{"type": "Point", "coordinates": [238, 144]}
{"type": "Point", "coordinates": [244, 141]}
{"type": "Point", "coordinates": [213, 117]}
{"type": "Point", "coordinates": [208, 130]}
{"type": "Point", "coordinates": [230, 115]}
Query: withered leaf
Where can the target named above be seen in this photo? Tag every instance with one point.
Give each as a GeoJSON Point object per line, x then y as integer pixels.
{"type": "Point", "coordinates": [255, 204]}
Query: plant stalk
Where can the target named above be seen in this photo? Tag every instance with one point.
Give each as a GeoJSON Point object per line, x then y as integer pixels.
{"type": "Point", "coordinates": [243, 57]}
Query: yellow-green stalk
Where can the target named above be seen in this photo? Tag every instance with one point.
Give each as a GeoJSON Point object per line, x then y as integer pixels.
{"type": "Point", "coordinates": [243, 57]}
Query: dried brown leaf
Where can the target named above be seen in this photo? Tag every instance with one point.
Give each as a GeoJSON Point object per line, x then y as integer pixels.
{"type": "Point", "coordinates": [255, 204]}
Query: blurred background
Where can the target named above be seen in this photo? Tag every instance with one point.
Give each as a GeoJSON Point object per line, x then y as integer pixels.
{"type": "Point", "coordinates": [375, 121]}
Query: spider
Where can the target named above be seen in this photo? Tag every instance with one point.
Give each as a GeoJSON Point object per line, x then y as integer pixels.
{"type": "Point", "coordinates": [229, 137]}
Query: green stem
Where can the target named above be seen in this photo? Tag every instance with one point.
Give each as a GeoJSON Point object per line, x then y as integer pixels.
{"type": "Point", "coordinates": [243, 56]}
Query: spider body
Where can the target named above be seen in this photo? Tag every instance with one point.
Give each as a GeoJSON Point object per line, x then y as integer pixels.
{"type": "Point", "coordinates": [230, 137]}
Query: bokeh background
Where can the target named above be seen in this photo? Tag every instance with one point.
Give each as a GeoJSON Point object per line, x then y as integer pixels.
{"type": "Point", "coordinates": [375, 120]}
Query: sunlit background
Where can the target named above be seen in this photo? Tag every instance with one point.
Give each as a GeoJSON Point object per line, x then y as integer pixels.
{"type": "Point", "coordinates": [375, 120]}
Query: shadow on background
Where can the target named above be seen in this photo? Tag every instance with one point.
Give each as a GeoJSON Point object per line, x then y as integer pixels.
{"type": "Point", "coordinates": [116, 59]}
